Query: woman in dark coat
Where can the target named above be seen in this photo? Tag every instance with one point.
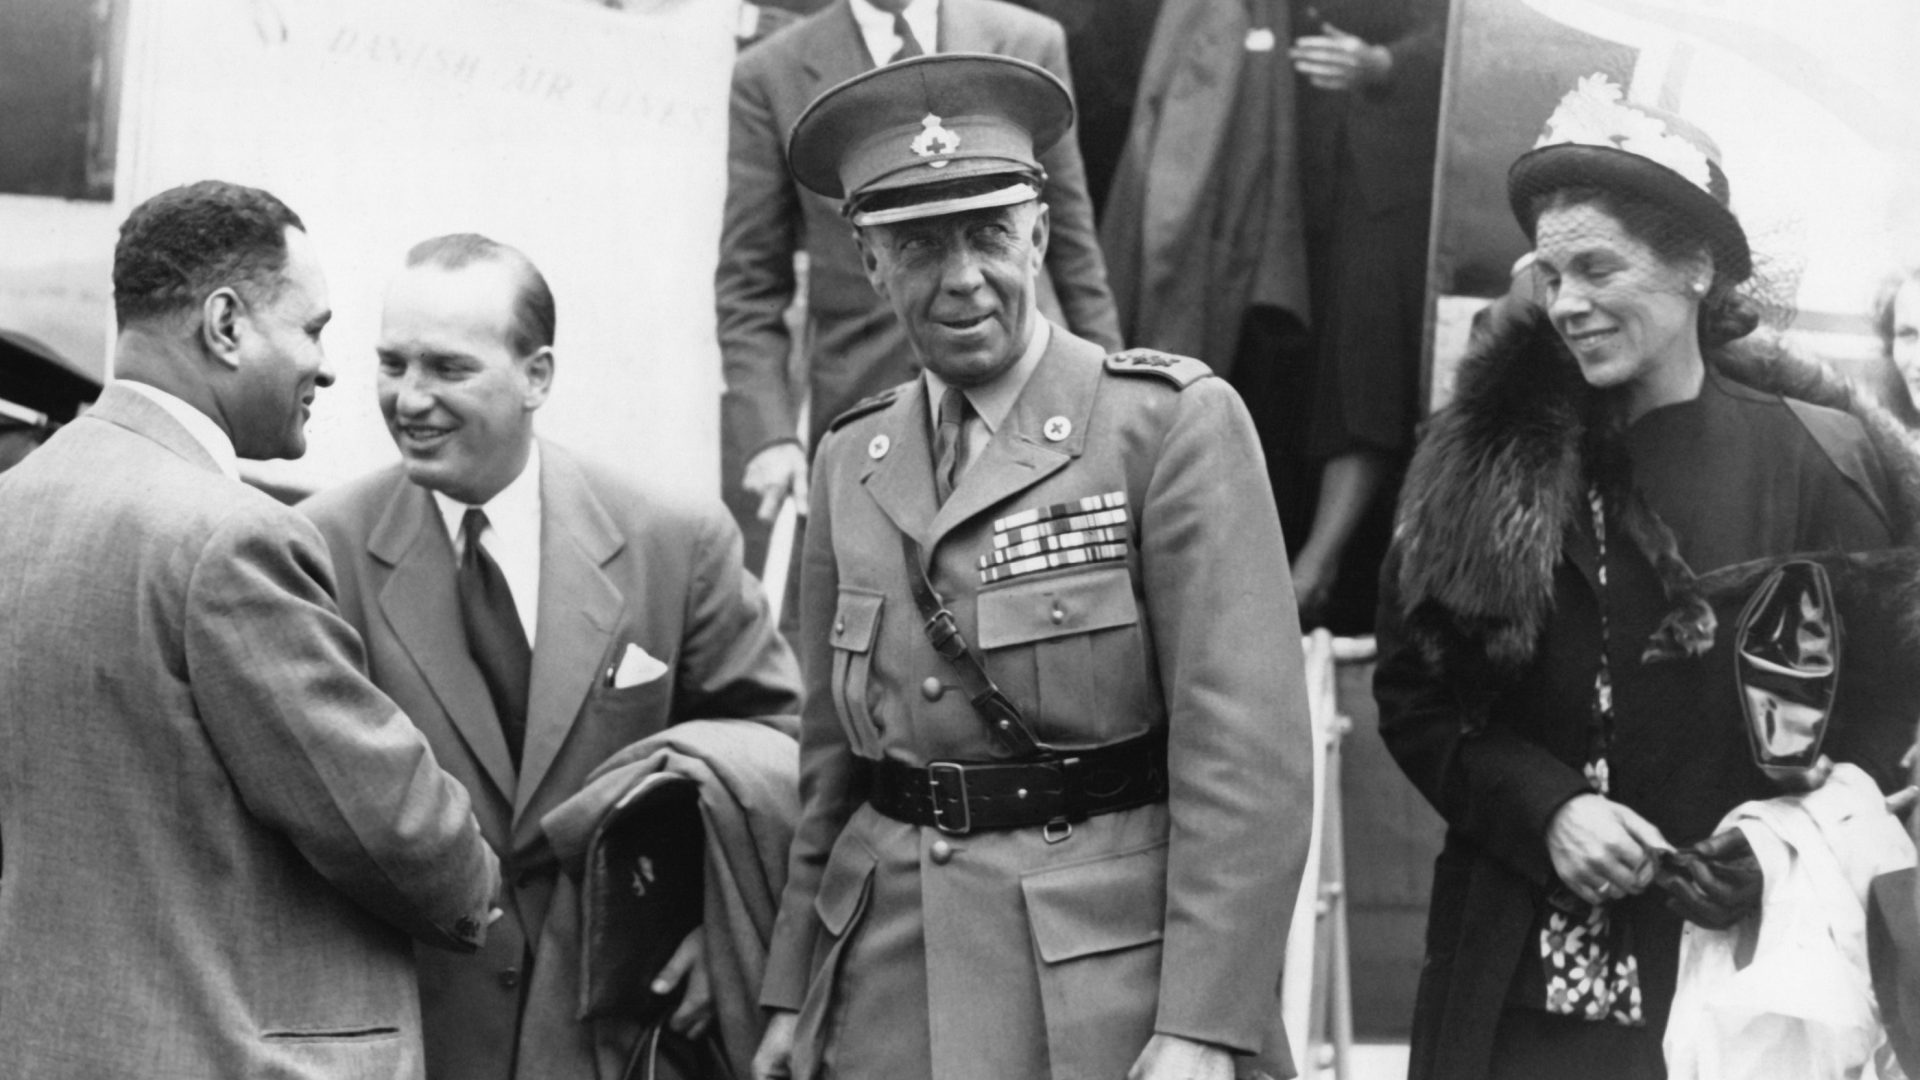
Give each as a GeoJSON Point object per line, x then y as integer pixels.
{"type": "Point", "coordinates": [1602, 451]}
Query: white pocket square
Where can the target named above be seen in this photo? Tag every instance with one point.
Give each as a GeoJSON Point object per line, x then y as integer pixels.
{"type": "Point", "coordinates": [636, 666]}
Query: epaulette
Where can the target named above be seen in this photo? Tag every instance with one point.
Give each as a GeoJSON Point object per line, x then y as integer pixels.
{"type": "Point", "coordinates": [867, 405]}
{"type": "Point", "coordinates": [1181, 371]}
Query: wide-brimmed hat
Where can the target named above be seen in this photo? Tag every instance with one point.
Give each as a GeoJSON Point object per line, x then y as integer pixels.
{"type": "Point", "coordinates": [1597, 138]}
{"type": "Point", "coordinates": [909, 130]}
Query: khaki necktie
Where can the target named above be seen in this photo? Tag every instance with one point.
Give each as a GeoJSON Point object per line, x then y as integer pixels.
{"type": "Point", "coordinates": [950, 442]}
{"type": "Point", "coordinates": [494, 635]}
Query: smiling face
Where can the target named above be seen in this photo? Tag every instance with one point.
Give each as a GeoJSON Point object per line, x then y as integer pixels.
{"type": "Point", "coordinates": [962, 285]}
{"type": "Point", "coordinates": [1630, 316]}
{"type": "Point", "coordinates": [457, 400]}
{"type": "Point", "coordinates": [280, 363]}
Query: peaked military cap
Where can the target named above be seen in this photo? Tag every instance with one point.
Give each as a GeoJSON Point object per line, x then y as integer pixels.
{"type": "Point", "coordinates": [931, 135]}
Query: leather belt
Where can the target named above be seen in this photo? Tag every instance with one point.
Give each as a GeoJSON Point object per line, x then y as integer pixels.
{"type": "Point", "coordinates": [960, 797]}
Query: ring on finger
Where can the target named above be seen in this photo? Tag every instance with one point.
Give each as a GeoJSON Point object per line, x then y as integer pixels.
{"type": "Point", "coordinates": [1603, 890]}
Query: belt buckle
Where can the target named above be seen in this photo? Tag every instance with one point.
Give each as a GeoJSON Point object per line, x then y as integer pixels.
{"type": "Point", "coordinates": [936, 770]}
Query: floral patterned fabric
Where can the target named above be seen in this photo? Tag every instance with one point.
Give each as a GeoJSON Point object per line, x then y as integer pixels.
{"type": "Point", "coordinates": [1586, 957]}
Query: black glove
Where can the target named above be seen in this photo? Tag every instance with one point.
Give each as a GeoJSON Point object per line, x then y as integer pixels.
{"type": "Point", "coordinates": [1716, 882]}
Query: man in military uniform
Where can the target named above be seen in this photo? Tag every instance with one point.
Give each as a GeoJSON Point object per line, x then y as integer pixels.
{"type": "Point", "coordinates": [1055, 753]}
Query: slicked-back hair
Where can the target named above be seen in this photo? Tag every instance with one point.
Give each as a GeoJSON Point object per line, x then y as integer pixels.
{"type": "Point", "coordinates": [185, 242]}
{"type": "Point", "coordinates": [533, 314]}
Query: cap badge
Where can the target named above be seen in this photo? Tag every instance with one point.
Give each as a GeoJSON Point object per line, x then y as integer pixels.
{"type": "Point", "coordinates": [934, 139]}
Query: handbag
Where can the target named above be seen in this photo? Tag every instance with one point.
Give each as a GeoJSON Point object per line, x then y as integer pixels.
{"type": "Point", "coordinates": [642, 893]}
{"type": "Point", "coordinates": [1787, 666]}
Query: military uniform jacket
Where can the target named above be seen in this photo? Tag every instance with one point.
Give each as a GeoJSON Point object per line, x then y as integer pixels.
{"type": "Point", "coordinates": [998, 954]}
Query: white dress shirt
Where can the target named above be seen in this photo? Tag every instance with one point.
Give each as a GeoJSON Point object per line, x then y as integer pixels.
{"type": "Point", "coordinates": [512, 536]}
{"type": "Point", "coordinates": [876, 27]}
{"type": "Point", "coordinates": [992, 402]}
{"type": "Point", "coordinates": [198, 424]}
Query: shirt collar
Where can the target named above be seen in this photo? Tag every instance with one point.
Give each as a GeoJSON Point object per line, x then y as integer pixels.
{"type": "Point", "coordinates": [514, 513]}
{"type": "Point", "coordinates": [198, 424]}
{"type": "Point", "coordinates": [992, 402]}
{"type": "Point", "coordinates": [923, 17]}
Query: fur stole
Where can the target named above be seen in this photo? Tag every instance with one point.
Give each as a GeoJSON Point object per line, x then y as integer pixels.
{"type": "Point", "coordinates": [1503, 473]}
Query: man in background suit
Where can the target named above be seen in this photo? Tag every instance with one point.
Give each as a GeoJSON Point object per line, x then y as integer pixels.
{"type": "Point", "coordinates": [592, 613]}
{"type": "Point", "coordinates": [854, 344]}
{"type": "Point", "coordinates": [219, 835]}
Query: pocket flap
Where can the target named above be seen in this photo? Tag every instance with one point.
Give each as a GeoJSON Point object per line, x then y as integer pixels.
{"type": "Point", "coordinates": [1056, 607]}
{"type": "Point", "coordinates": [856, 621]}
{"type": "Point", "coordinates": [843, 885]}
{"type": "Point", "coordinates": [1115, 902]}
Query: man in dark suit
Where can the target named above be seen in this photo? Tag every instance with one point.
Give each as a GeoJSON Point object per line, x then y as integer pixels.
{"type": "Point", "coordinates": [219, 835]}
{"type": "Point", "coordinates": [1055, 762]}
{"type": "Point", "coordinates": [855, 345]}
{"type": "Point", "coordinates": [534, 613]}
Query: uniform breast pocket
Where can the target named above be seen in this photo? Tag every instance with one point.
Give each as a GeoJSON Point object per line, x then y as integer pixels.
{"type": "Point", "coordinates": [1079, 632]}
{"type": "Point", "coordinates": [855, 626]}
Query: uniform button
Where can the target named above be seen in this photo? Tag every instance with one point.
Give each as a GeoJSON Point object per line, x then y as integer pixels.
{"type": "Point", "coordinates": [1059, 615]}
{"type": "Point", "coordinates": [839, 626]}
{"type": "Point", "coordinates": [510, 978]}
{"type": "Point", "coordinates": [933, 688]}
{"type": "Point", "coordinates": [942, 852]}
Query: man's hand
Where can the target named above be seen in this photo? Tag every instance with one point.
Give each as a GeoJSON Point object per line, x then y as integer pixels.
{"type": "Point", "coordinates": [1170, 1057]}
{"type": "Point", "coordinates": [774, 1059]}
{"type": "Point", "coordinates": [689, 965]}
{"type": "Point", "coordinates": [1602, 850]}
{"type": "Point", "coordinates": [1337, 60]}
{"type": "Point", "coordinates": [775, 472]}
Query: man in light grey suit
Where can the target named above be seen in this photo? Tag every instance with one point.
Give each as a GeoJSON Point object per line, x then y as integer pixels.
{"type": "Point", "coordinates": [219, 836]}
{"type": "Point", "coordinates": [534, 613]}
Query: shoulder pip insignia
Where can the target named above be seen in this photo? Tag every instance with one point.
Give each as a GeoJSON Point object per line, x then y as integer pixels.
{"type": "Point", "coordinates": [1181, 371]}
{"type": "Point", "coordinates": [867, 405]}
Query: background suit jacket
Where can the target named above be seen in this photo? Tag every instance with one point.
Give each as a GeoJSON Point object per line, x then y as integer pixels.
{"type": "Point", "coordinates": [998, 954]}
{"type": "Point", "coordinates": [854, 345]}
{"type": "Point", "coordinates": [619, 566]}
{"type": "Point", "coordinates": [218, 834]}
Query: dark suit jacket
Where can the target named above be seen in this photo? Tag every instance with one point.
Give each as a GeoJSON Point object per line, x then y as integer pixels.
{"type": "Point", "coordinates": [219, 834]}
{"type": "Point", "coordinates": [619, 566]}
{"type": "Point", "coordinates": [854, 345]}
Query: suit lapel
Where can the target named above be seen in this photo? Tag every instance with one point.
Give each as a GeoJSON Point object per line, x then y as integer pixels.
{"type": "Point", "coordinates": [421, 602]}
{"type": "Point", "coordinates": [1020, 455]}
{"type": "Point", "coordinates": [836, 52]}
{"type": "Point", "coordinates": [901, 479]}
{"type": "Point", "coordinates": [579, 612]}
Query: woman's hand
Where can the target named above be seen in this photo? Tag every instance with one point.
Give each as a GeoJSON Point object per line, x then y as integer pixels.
{"type": "Point", "coordinates": [1602, 850]}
